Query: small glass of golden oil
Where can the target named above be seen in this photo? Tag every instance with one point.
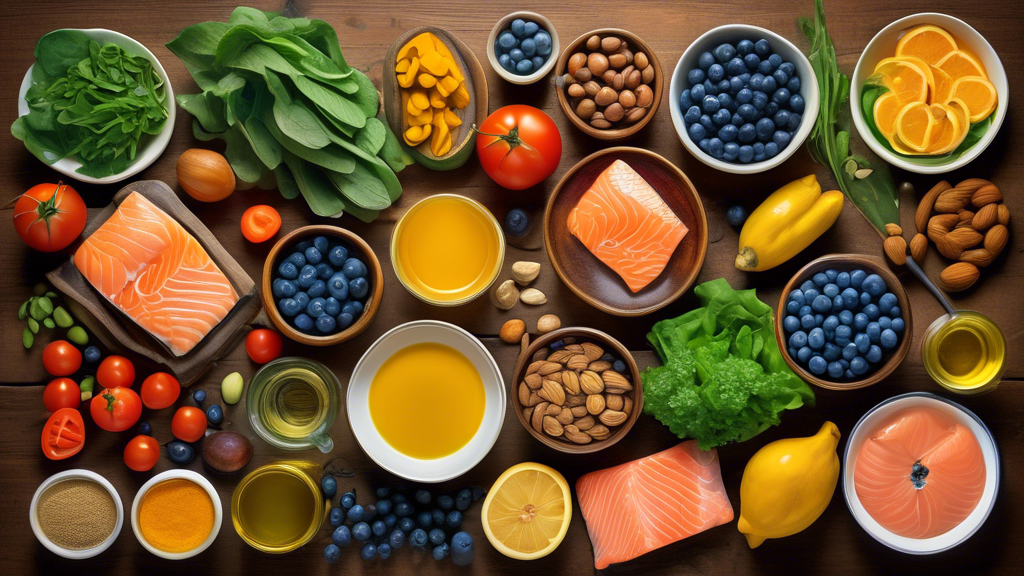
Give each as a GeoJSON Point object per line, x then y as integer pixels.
{"type": "Point", "coordinates": [965, 352]}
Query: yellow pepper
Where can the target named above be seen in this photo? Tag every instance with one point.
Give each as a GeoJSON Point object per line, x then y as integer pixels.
{"type": "Point", "coordinates": [786, 223]}
{"type": "Point", "coordinates": [432, 89]}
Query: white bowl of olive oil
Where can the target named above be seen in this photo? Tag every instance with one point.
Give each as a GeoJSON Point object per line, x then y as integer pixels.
{"type": "Point", "coordinates": [426, 401]}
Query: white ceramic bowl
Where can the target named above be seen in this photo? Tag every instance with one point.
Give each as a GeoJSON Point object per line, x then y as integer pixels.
{"type": "Point", "coordinates": [883, 45]}
{"type": "Point", "coordinates": [503, 23]}
{"type": "Point", "coordinates": [75, 474]}
{"type": "Point", "coordinates": [150, 147]}
{"type": "Point", "coordinates": [965, 529]}
{"type": "Point", "coordinates": [218, 512]}
{"type": "Point", "coordinates": [733, 33]}
{"type": "Point", "coordinates": [357, 402]}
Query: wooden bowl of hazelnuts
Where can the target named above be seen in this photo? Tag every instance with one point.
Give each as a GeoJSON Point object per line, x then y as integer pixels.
{"type": "Point", "coordinates": [609, 83]}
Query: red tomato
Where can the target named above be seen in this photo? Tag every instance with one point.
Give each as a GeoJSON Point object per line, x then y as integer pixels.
{"type": "Point", "coordinates": [49, 216]}
{"type": "Point", "coordinates": [263, 345]}
{"type": "Point", "coordinates": [141, 453]}
{"type": "Point", "coordinates": [260, 223]}
{"type": "Point", "coordinates": [61, 393]}
{"type": "Point", "coordinates": [116, 371]}
{"type": "Point", "coordinates": [61, 358]}
{"type": "Point", "coordinates": [63, 434]}
{"type": "Point", "coordinates": [116, 409]}
{"type": "Point", "coordinates": [188, 424]}
{"type": "Point", "coordinates": [519, 146]}
{"type": "Point", "coordinates": [159, 391]}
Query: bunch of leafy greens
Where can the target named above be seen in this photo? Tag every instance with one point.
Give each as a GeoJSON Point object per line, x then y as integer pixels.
{"type": "Point", "coordinates": [291, 111]}
{"type": "Point", "coordinates": [723, 378]}
{"type": "Point", "coordinates": [873, 90]}
{"type": "Point", "coordinates": [867, 184]}
{"type": "Point", "coordinates": [90, 101]}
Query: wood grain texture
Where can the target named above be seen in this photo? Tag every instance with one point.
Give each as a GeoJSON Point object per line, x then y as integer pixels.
{"type": "Point", "coordinates": [834, 544]}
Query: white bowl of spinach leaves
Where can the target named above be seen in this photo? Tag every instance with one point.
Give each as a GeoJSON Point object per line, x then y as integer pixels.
{"type": "Point", "coordinates": [97, 105]}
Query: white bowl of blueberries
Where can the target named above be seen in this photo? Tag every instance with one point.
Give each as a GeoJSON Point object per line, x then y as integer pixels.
{"type": "Point", "coordinates": [743, 98]}
{"type": "Point", "coordinates": [522, 47]}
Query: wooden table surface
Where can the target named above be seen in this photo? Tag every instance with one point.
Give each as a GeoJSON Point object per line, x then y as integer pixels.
{"type": "Point", "coordinates": [835, 543]}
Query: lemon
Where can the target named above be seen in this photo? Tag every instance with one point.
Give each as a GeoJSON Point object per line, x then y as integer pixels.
{"type": "Point", "coordinates": [787, 485]}
{"type": "Point", "coordinates": [527, 511]}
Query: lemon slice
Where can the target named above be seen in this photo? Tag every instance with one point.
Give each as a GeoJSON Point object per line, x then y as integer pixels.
{"type": "Point", "coordinates": [527, 511]}
{"type": "Point", "coordinates": [978, 94]}
{"type": "Point", "coordinates": [929, 43]}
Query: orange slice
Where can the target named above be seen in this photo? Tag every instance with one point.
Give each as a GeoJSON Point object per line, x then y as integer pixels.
{"type": "Point", "coordinates": [914, 126]}
{"type": "Point", "coordinates": [942, 89]}
{"type": "Point", "coordinates": [978, 94]}
{"type": "Point", "coordinates": [960, 64]}
{"type": "Point", "coordinates": [886, 108]}
{"type": "Point", "coordinates": [946, 133]}
{"type": "Point", "coordinates": [929, 43]}
{"type": "Point", "coordinates": [908, 79]}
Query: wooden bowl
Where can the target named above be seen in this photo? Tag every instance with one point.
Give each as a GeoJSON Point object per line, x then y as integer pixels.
{"type": "Point", "coordinates": [611, 134]}
{"type": "Point", "coordinates": [474, 113]}
{"type": "Point", "coordinates": [369, 307]}
{"type": "Point", "coordinates": [847, 263]}
{"type": "Point", "coordinates": [588, 277]}
{"type": "Point", "coordinates": [580, 335]}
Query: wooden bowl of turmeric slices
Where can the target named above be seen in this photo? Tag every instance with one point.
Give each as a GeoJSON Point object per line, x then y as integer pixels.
{"type": "Point", "coordinates": [434, 91]}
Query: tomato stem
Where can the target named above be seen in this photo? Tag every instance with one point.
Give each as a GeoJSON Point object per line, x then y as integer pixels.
{"type": "Point", "coordinates": [512, 139]}
{"type": "Point", "coordinates": [48, 209]}
{"type": "Point", "coordinates": [110, 400]}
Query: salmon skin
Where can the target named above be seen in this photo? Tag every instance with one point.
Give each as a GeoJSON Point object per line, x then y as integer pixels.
{"type": "Point", "coordinates": [154, 271]}
{"type": "Point", "coordinates": [624, 222]}
{"type": "Point", "coordinates": [920, 473]}
{"type": "Point", "coordinates": [648, 503]}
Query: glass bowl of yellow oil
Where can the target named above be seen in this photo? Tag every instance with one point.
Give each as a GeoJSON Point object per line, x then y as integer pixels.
{"type": "Point", "coordinates": [292, 403]}
{"type": "Point", "coordinates": [447, 249]}
{"type": "Point", "coordinates": [965, 352]}
{"type": "Point", "coordinates": [279, 507]}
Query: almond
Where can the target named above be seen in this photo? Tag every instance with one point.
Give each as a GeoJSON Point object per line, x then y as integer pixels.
{"type": "Point", "coordinates": [958, 277]}
{"type": "Point", "coordinates": [986, 217]}
{"type": "Point", "coordinates": [512, 331]}
{"type": "Point", "coordinates": [571, 381]}
{"type": "Point", "coordinates": [579, 411]}
{"type": "Point", "coordinates": [987, 194]}
{"type": "Point", "coordinates": [505, 295]}
{"type": "Point", "coordinates": [924, 208]}
{"type": "Point", "coordinates": [612, 417]}
{"type": "Point", "coordinates": [549, 368]}
{"type": "Point", "coordinates": [564, 417]}
{"type": "Point", "coordinates": [948, 249]}
{"type": "Point", "coordinates": [893, 229]}
{"type": "Point", "coordinates": [524, 394]}
{"type": "Point", "coordinates": [560, 356]}
{"type": "Point", "coordinates": [591, 382]}
{"type": "Point", "coordinates": [616, 383]}
{"type": "Point", "coordinates": [600, 366]}
{"type": "Point", "coordinates": [533, 297]}
{"type": "Point", "coordinates": [534, 399]}
{"type": "Point", "coordinates": [527, 413]}
{"type": "Point", "coordinates": [973, 184]}
{"type": "Point", "coordinates": [952, 201]}
{"type": "Point", "coordinates": [578, 362]}
{"type": "Point", "coordinates": [613, 401]}
{"type": "Point", "coordinates": [533, 380]}
{"type": "Point", "coordinates": [940, 224]}
{"type": "Point", "coordinates": [552, 392]}
{"type": "Point", "coordinates": [965, 237]}
{"type": "Point", "coordinates": [627, 404]}
{"type": "Point", "coordinates": [554, 410]}
{"type": "Point", "coordinates": [978, 257]}
{"type": "Point", "coordinates": [966, 216]}
{"type": "Point", "coordinates": [599, 432]}
{"type": "Point", "coordinates": [918, 247]}
{"type": "Point", "coordinates": [895, 248]}
{"type": "Point", "coordinates": [573, 434]}
{"type": "Point", "coordinates": [574, 348]}
{"type": "Point", "coordinates": [537, 419]}
{"type": "Point", "coordinates": [593, 352]}
{"type": "Point", "coordinates": [595, 404]}
{"type": "Point", "coordinates": [1004, 215]}
{"type": "Point", "coordinates": [996, 239]}
{"type": "Point", "coordinates": [584, 423]}
{"type": "Point", "coordinates": [547, 323]}
{"type": "Point", "coordinates": [534, 366]}
{"type": "Point", "coordinates": [551, 426]}
{"type": "Point", "coordinates": [525, 272]}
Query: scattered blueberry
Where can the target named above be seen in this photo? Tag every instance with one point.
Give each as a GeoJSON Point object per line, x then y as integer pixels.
{"type": "Point", "coordinates": [736, 215]}
{"type": "Point", "coordinates": [91, 355]}
{"type": "Point", "coordinates": [329, 486]}
{"type": "Point", "coordinates": [454, 519]}
{"type": "Point", "coordinates": [361, 531]}
{"type": "Point", "coordinates": [215, 414]}
{"type": "Point", "coordinates": [180, 452]}
{"type": "Point", "coordinates": [462, 549]}
{"type": "Point", "coordinates": [418, 537]}
{"type": "Point", "coordinates": [440, 552]}
{"type": "Point", "coordinates": [356, 513]}
{"type": "Point", "coordinates": [348, 500]}
{"type": "Point", "coordinates": [332, 553]}
{"type": "Point", "coordinates": [368, 551]}
{"type": "Point", "coordinates": [437, 536]}
{"type": "Point", "coordinates": [341, 536]}
{"type": "Point", "coordinates": [396, 539]}
{"type": "Point", "coordinates": [337, 517]}
{"type": "Point", "coordinates": [145, 429]}
{"type": "Point", "coordinates": [463, 499]}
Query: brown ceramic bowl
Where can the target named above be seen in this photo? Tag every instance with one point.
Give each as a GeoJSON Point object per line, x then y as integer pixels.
{"type": "Point", "coordinates": [848, 263]}
{"type": "Point", "coordinates": [636, 45]}
{"type": "Point", "coordinates": [588, 277]}
{"type": "Point", "coordinates": [354, 243]}
{"type": "Point", "coordinates": [579, 335]}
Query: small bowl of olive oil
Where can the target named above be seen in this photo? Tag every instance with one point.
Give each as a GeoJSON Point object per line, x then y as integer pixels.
{"type": "Point", "coordinates": [965, 352]}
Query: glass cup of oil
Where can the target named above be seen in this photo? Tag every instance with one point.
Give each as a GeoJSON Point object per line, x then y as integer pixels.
{"type": "Point", "coordinates": [965, 352]}
{"type": "Point", "coordinates": [292, 403]}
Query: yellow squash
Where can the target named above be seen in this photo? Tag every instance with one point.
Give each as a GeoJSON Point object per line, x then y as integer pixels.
{"type": "Point", "coordinates": [786, 223]}
{"type": "Point", "coordinates": [787, 485]}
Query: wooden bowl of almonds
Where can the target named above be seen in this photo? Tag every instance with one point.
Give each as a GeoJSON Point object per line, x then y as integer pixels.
{"type": "Point", "coordinates": [609, 83]}
{"type": "Point", "coordinates": [577, 390]}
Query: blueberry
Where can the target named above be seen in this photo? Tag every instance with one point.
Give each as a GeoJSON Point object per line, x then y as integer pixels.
{"type": "Point", "coordinates": [297, 258]}
{"type": "Point", "coordinates": [708, 125]}
{"type": "Point", "coordinates": [301, 246]}
{"type": "Point", "coordinates": [858, 366]}
{"type": "Point", "coordinates": [724, 53]}
{"type": "Point", "coordinates": [781, 139]}
{"type": "Point", "coordinates": [886, 302]}
{"type": "Point", "coordinates": [696, 77]}
{"type": "Point", "coordinates": [396, 538]}
{"type": "Point", "coordinates": [771, 149]}
{"type": "Point", "coordinates": [703, 144]}
{"type": "Point", "coordinates": [517, 223]}
{"type": "Point", "coordinates": [843, 334]}
{"type": "Point", "coordinates": [516, 55]}
{"type": "Point", "coordinates": [390, 521]}
{"type": "Point", "coordinates": [440, 552]}
{"type": "Point", "coordinates": [765, 127]}
{"type": "Point", "coordinates": [538, 62]}
{"type": "Point", "coordinates": [384, 550]}
{"type": "Point", "coordinates": [705, 61]}
{"type": "Point", "coordinates": [781, 77]}
{"type": "Point", "coordinates": [835, 370]}
{"type": "Point", "coordinates": [710, 104]}
{"type": "Point", "coordinates": [276, 288]}
{"type": "Point", "coordinates": [744, 47]}
{"type": "Point", "coordinates": [696, 132]}
{"type": "Point", "coordinates": [337, 256]}
{"type": "Point", "coordinates": [424, 518]}
{"type": "Point", "coordinates": [453, 519]}
{"type": "Point", "coordinates": [817, 365]}
{"type": "Point", "coordinates": [437, 516]}
{"type": "Point", "coordinates": [348, 500]}
{"type": "Point", "coordinates": [418, 538]}
{"type": "Point", "coordinates": [744, 96]}
{"type": "Point", "coordinates": [792, 352]}
{"type": "Point", "coordinates": [758, 147]}
{"type": "Point", "coordinates": [302, 298]}
{"type": "Point", "coordinates": [506, 40]}
{"type": "Point", "coordinates": [332, 553]}
{"type": "Point", "coordinates": [736, 215]}
{"type": "Point", "coordinates": [403, 509]}
{"type": "Point", "coordinates": [850, 296]}
{"type": "Point", "coordinates": [751, 61]}
{"type": "Point", "coordinates": [715, 73]}
{"type": "Point", "coordinates": [831, 352]}
{"type": "Point", "coordinates": [775, 60]}
{"type": "Point", "coordinates": [436, 536]}
{"type": "Point", "coordinates": [732, 151]}
{"type": "Point", "coordinates": [529, 47]}
{"type": "Point", "coordinates": [406, 524]}
{"type": "Point", "coordinates": [735, 85]}
{"type": "Point", "coordinates": [821, 303]}
{"type": "Point", "coordinates": [885, 323]}
{"type": "Point", "coordinates": [862, 342]}
{"type": "Point", "coordinates": [793, 308]}
{"type": "Point", "coordinates": [353, 307]}
{"type": "Point", "coordinates": [816, 339]}
{"type": "Point", "coordinates": [830, 324]}
{"type": "Point", "coordinates": [837, 303]}
{"type": "Point", "coordinates": [462, 549]}
{"type": "Point", "coordinates": [888, 339]}
{"type": "Point", "coordinates": [463, 499]}
{"type": "Point", "coordinates": [898, 325]}
{"type": "Point", "coordinates": [337, 285]}
{"type": "Point", "coordinates": [379, 528]}
{"type": "Point", "coordinates": [716, 148]}
{"type": "Point", "coordinates": [762, 48]}
{"type": "Point", "coordinates": [747, 112]}
{"type": "Point", "coordinates": [874, 354]}
{"type": "Point", "coordinates": [358, 287]}
{"type": "Point", "coordinates": [780, 118]}
{"type": "Point", "coordinates": [765, 67]}
{"type": "Point", "coordinates": [368, 551]}
{"type": "Point", "coordinates": [769, 85]}
{"type": "Point", "coordinates": [872, 312]}
{"type": "Point", "coordinates": [760, 100]}
{"type": "Point", "coordinates": [804, 310]}
{"type": "Point", "coordinates": [505, 61]}
{"type": "Point", "coordinates": [849, 375]}
{"type": "Point", "coordinates": [737, 120]}
{"type": "Point", "coordinates": [722, 117]}
{"type": "Point", "coordinates": [798, 339]}
{"type": "Point", "coordinates": [524, 66]}
{"type": "Point", "coordinates": [313, 256]}
{"type": "Point", "coordinates": [331, 306]}
{"type": "Point", "coordinates": [321, 243]}
{"type": "Point", "coordinates": [356, 513]}
{"type": "Point", "coordinates": [543, 41]}
{"type": "Point", "coordinates": [793, 85]}
{"type": "Point", "coordinates": [337, 517]}
{"type": "Point", "coordinates": [747, 132]}
{"type": "Point", "coordinates": [849, 351]}
{"type": "Point", "coordinates": [288, 270]}
{"type": "Point", "coordinates": [796, 295]}
{"type": "Point", "coordinates": [746, 154]}
{"type": "Point", "coordinates": [781, 96]}
{"type": "Point", "coordinates": [144, 429]}
{"type": "Point", "coordinates": [199, 396]}
{"type": "Point", "coordinates": [531, 28]}
{"type": "Point", "coordinates": [341, 536]}
{"type": "Point", "coordinates": [317, 289]}
{"type": "Point", "coordinates": [796, 103]}
{"type": "Point", "coordinates": [289, 307]}
{"type": "Point", "coordinates": [735, 67]}
{"type": "Point", "coordinates": [874, 332]}
{"type": "Point", "coordinates": [860, 321]}
{"type": "Point", "coordinates": [807, 322]}
{"type": "Point", "coordinates": [315, 308]}
{"type": "Point", "coordinates": [865, 298]}
{"type": "Point", "coordinates": [326, 324]}
{"type": "Point", "coordinates": [804, 354]}
{"type": "Point", "coordinates": [756, 82]}
{"type": "Point", "coordinates": [895, 312]}
{"type": "Point", "coordinates": [794, 122]}
{"type": "Point", "coordinates": [518, 27]}
{"type": "Point", "coordinates": [307, 275]}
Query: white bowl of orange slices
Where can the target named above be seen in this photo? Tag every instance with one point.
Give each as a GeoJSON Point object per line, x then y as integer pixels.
{"type": "Point", "coordinates": [929, 93]}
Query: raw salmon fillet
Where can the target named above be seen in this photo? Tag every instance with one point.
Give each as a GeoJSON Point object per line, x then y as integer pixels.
{"type": "Point", "coordinates": [648, 503]}
{"type": "Point", "coordinates": [941, 498]}
{"type": "Point", "coordinates": [624, 222]}
{"type": "Point", "coordinates": [153, 270]}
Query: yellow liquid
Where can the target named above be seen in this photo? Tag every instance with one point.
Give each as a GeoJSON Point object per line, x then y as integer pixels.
{"type": "Point", "coordinates": [295, 403]}
{"type": "Point", "coordinates": [427, 401]}
{"type": "Point", "coordinates": [966, 353]}
{"type": "Point", "coordinates": [447, 249]}
{"type": "Point", "coordinates": [277, 508]}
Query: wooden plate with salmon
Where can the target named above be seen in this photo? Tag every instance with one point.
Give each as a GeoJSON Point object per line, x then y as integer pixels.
{"type": "Point", "coordinates": [626, 231]}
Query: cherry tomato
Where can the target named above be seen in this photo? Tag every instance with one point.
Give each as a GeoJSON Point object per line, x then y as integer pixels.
{"type": "Point", "coordinates": [116, 409]}
{"type": "Point", "coordinates": [61, 393]}
{"type": "Point", "coordinates": [159, 391]}
{"type": "Point", "coordinates": [49, 216]}
{"type": "Point", "coordinates": [116, 371]}
{"type": "Point", "coordinates": [263, 345]}
{"type": "Point", "coordinates": [142, 453]}
{"type": "Point", "coordinates": [61, 358]}
{"type": "Point", "coordinates": [188, 424]}
{"type": "Point", "coordinates": [260, 223]}
{"type": "Point", "coordinates": [519, 146]}
{"type": "Point", "coordinates": [63, 434]}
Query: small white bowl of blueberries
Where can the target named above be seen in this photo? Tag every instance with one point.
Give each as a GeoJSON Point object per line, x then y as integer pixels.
{"type": "Point", "coordinates": [743, 99]}
{"type": "Point", "coordinates": [522, 47]}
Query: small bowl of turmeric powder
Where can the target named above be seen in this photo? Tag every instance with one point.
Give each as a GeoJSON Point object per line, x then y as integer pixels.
{"type": "Point", "coordinates": [177, 514]}
{"type": "Point", "coordinates": [76, 514]}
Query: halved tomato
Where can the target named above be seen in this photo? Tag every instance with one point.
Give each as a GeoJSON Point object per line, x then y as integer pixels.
{"type": "Point", "coordinates": [63, 434]}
